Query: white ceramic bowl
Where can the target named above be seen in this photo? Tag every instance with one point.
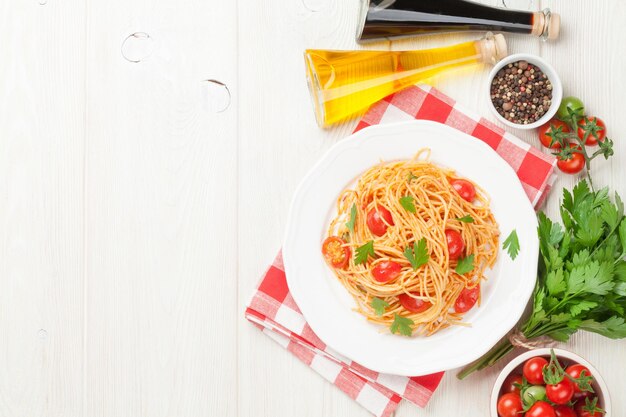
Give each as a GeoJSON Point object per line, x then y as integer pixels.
{"type": "Point", "coordinates": [557, 88]}
{"type": "Point", "coordinates": [516, 365]}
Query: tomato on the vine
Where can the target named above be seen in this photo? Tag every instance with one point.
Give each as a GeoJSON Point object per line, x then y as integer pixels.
{"type": "Point", "coordinates": [594, 128]}
{"type": "Point", "coordinates": [512, 383]}
{"type": "Point", "coordinates": [573, 162]}
{"type": "Point", "coordinates": [540, 409]}
{"type": "Point", "coordinates": [510, 405]}
{"type": "Point", "coordinates": [561, 392]}
{"type": "Point", "coordinates": [532, 394]}
{"type": "Point", "coordinates": [588, 409]}
{"type": "Point", "coordinates": [564, 411]}
{"type": "Point", "coordinates": [553, 132]}
{"type": "Point", "coordinates": [576, 371]}
{"type": "Point", "coordinates": [533, 370]}
{"type": "Point", "coordinates": [571, 106]}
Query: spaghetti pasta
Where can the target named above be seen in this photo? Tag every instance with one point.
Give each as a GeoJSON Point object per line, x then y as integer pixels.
{"type": "Point", "coordinates": [390, 244]}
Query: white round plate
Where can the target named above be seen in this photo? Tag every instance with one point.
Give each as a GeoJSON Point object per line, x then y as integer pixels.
{"type": "Point", "coordinates": [326, 304]}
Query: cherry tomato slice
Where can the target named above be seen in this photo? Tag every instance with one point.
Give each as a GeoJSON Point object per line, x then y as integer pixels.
{"type": "Point", "coordinates": [510, 405]}
{"type": "Point", "coordinates": [574, 164]}
{"type": "Point", "coordinates": [456, 245]}
{"type": "Point", "coordinates": [466, 189]}
{"type": "Point", "coordinates": [512, 383]}
{"type": "Point", "coordinates": [596, 130]}
{"type": "Point", "coordinates": [467, 299]}
{"type": "Point", "coordinates": [560, 393]}
{"type": "Point", "coordinates": [533, 370]}
{"type": "Point", "coordinates": [549, 130]}
{"type": "Point", "coordinates": [414, 305]}
{"type": "Point", "coordinates": [386, 271]}
{"type": "Point", "coordinates": [564, 411]}
{"type": "Point", "coordinates": [378, 220]}
{"type": "Point", "coordinates": [540, 409]}
{"type": "Point", "coordinates": [575, 371]}
{"type": "Point", "coordinates": [335, 251]}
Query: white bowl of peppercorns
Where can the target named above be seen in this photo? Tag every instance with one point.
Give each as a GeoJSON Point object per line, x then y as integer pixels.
{"type": "Point", "coordinates": [524, 91]}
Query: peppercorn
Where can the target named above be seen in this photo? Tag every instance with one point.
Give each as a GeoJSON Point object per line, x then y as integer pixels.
{"type": "Point", "coordinates": [521, 92]}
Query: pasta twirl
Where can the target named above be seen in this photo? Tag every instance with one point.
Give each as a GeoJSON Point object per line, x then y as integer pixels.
{"type": "Point", "coordinates": [412, 202]}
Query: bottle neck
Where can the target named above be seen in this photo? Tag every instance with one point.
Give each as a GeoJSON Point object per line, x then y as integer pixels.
{"type": "Point", "coordinates": [546, 24]}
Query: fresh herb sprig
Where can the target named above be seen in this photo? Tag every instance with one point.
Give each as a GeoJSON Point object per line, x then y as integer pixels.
{"type": "Point", "coordinates": [581, 281]}
{"type": "Point", "coordinates": [418, 254]}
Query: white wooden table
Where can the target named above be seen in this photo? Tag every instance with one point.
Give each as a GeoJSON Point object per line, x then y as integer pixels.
{"type": "Point", "coordinates": [136, 217]}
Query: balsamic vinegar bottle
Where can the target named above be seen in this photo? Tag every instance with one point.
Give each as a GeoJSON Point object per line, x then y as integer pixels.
{"type": "Point", "coordinates": [395, 18]}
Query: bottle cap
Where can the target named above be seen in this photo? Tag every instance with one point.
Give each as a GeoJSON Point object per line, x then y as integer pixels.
{"type": "Point", "coordinates": [493, 48]}
{"type": "Point", "coordinates": [546, 24]}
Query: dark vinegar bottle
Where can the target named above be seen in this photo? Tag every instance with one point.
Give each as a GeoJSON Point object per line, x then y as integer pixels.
{"type": "Point", "coordinates": [395, 18]}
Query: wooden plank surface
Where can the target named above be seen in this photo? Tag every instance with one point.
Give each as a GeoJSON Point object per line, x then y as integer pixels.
{"type": "Point", "coordinates": [161, 207]}
{"type": "Point", "coordinates": [41, 207]}
{"type": "Point", "coordinates": [140, 203]}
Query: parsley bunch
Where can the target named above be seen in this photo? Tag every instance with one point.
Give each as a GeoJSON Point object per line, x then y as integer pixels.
{"type": "Point", "coordinates": [581, 281]}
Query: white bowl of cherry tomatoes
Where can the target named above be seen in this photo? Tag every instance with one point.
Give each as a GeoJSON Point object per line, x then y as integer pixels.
{"type": "Point", "coordinates": [550, 383]}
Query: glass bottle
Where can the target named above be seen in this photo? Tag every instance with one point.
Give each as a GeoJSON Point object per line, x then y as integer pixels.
{"type": "Point", "coordinates": [346, 83]}
{"type": "Point", "coordinates": [396, 18]}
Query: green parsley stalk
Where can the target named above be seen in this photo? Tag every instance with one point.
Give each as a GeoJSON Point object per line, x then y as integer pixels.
{"type": "Point", "coordinates": [581, 283]}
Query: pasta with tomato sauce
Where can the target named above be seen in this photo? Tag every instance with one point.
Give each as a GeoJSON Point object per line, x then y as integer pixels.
{"type": "Point", "coordinates": [411, 243]}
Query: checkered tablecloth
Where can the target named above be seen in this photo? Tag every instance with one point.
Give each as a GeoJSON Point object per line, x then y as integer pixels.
{"type": "Point", "coordinates": [274, 311]}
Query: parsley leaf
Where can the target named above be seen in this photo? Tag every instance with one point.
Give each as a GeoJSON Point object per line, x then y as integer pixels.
{"type": "Point", "coordinates": [418, 255]}
{"type": "Point", "coordinates": [555, 282]}
{"type": "Point", "coordinates": [364, 252]}
{"type": "Point", "coordinates": [379, 306]}
{"type": "Point", "coordinates": [350, 224]}
{"type": "Point", "coordinates": [408, 203]}
{"type": "Point", "coordinates": [466, 219]}
{"type": "Point", "coordinates": [465, 265]}
{"type": "Point", "coordinates": [511, 244]}
{"type": "Point", "coordinates": [402, 325]}
{"type": "Point", "coordinates": [411, 177]}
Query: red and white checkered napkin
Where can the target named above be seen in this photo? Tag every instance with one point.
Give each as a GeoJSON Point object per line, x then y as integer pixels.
{"type": "Point", "coordinates": [275, 312]}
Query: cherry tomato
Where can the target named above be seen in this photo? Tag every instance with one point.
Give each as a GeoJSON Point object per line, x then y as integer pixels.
{"type": "Point", "coordinates": [553, 127]}
{"type": "Point", "coordinates": [510, 405]}
{"type": "Point", "coordinates": [378, 220]}
{"type": "Point", "coordinates": [467, 299]}
{"type": "Point", "coordinates": [414, 305]}
{"type": "Point", "coordinates": [335, 252]}
{"type": "Point", "coordinates": [582, 412]}
{"type": "Point", "coordinates": [533, 370]}
{"type": "Point", "coordinates": [386, 271]}
{"type": "Point", "coordinates": [596, 129]}
{"type": "Point", "coordinates": [575, 371]}
{"type": "Point", "coordinates": [570, 105]}
{"type": "Point", "coordinates": [465, 189]}
{"type": "Point", "coordinates": [533, 394]}
{"type": "Point", "coordinates": [581, 396]}
{"type": "Point", "coordinates": [574, 164]}
{"type": "Point", "coordinates": [456, 246]}
{"type": "Point", "coordinates": [540, 409]}
{"type": "Point", "coordinates": [564, 411]}
{"type": "Point", "coordinates": [510, 382]}
{"type": "Point", "coordinates": [560, 393]}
